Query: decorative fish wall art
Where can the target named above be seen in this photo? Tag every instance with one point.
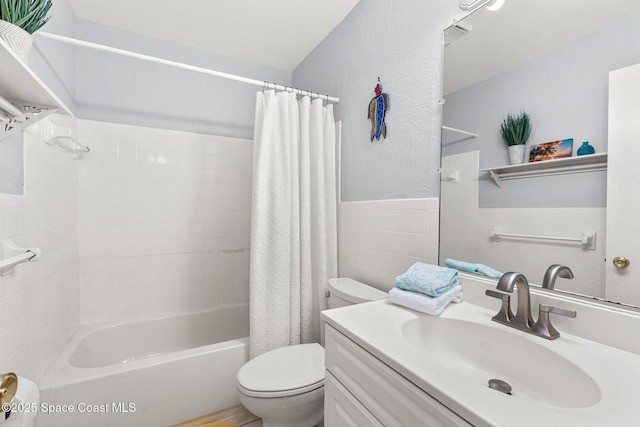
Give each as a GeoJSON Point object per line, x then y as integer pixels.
{"type": "Point", "coordinates": [378, 107]}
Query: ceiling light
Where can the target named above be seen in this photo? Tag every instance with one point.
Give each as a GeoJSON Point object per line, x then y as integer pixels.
{"type": "Point", "coordinates": [494, 5]}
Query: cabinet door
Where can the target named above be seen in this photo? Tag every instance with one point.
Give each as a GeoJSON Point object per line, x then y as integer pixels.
{"type": "Point", "coordinates": [342, 409]}
{"type": "Point", "coordinates": [623, 174]}
{"type": "Point", "coordinates": [388, 396]}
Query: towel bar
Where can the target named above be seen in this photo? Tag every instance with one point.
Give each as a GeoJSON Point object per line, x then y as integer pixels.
{"type": "Point", "coordinates": [587, 240]}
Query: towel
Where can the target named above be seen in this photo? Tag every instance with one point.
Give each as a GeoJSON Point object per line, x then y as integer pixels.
{"type": "Point", "coordinates": [424, 303]}
{"type": "Point", "coordinates": [427, 279]}
{"type": "Point", "coordinates": [472, 268]}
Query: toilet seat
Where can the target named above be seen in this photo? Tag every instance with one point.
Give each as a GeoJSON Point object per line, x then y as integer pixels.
{"type": "Point", "coordinates": [287, 371]}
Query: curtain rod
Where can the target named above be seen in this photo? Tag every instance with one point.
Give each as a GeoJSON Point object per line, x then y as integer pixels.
{"type": "Point", "coordinates": [182, 66]}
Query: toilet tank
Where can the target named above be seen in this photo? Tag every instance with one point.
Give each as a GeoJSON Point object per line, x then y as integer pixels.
{"type": "Point", "coordinates": [344, 291]}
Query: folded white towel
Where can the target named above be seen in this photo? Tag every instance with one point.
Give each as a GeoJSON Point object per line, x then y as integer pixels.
{"type": "Point", "coordinates": [424, 303]}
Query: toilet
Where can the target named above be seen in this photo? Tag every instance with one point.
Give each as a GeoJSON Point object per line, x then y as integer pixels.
{"type": "Point", "coordinates": [285, 387]}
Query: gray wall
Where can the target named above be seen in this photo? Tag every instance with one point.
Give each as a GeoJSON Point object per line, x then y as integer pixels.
{"type": "Point", "coordinates": [101, 86]}
{"type": "Point", "coordinates": [53, 62]}
{"type": "Point", "coordinates": [11, 165]}
{"type": "Point", "coordinates": [566, 95]}
{"type": "Point", "coordinates": [400, 42]}
{"type": "Point", "coordinates": [123, 90]}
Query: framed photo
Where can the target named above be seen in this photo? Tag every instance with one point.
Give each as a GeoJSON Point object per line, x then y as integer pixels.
{"type": "Point", "coordinates": [551, 150]}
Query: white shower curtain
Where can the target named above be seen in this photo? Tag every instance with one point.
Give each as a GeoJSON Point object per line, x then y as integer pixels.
{"type": "Point", "coordinates": [293, 219]}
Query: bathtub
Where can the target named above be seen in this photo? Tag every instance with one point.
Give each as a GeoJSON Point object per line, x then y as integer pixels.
{"type": "Point", "coordinates": [147, 373]}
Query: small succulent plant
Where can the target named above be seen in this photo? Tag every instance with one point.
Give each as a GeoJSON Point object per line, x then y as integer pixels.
{"type": "Point", "coordinates": [515, 130]}
{"type": "Point", "coordinates": [30, 15]}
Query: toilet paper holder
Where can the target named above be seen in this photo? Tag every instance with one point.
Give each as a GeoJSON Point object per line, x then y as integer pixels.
{"type": "Point", "coordinates": [8, 390]}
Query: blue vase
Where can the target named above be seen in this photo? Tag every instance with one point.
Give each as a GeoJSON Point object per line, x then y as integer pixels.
{"type": "Point", "coordinates": [585, 149]}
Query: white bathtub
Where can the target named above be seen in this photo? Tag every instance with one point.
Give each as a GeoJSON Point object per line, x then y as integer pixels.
{"type": "Point", "coordinates": [147, 373]}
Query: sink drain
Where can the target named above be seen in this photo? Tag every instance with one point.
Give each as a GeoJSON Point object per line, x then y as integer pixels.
{"type": "Point", "coordinates": [499, 385]}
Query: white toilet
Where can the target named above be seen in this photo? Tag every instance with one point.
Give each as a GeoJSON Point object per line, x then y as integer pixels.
{"type": "Point", "coordinates": [285, 387]}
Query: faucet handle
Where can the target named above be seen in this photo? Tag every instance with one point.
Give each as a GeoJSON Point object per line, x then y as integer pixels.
{"type": "Point", "coordinates": [556, 310]}
{"type": "Point", "coordinates": [505, 314]}
{"type": "Point", "coordinates": [543, 326]}
{"type": "Point", "coordinates": [496, 294]}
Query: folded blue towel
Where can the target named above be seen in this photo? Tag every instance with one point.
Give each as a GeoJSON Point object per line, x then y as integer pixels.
{"type": "Point", "coordinates": [427, 279]}
{"type": "Point", "coordinates": [472, 268]}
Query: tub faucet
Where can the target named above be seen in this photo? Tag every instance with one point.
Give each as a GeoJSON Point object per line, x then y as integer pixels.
{"type": "Point", "coordinates": [553, 272]}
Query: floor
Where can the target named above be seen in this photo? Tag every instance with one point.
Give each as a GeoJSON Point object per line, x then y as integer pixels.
{"type": "Point", "coordinates": [237, 415]}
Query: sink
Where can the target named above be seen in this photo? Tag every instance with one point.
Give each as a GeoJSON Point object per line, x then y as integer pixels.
{"type": "Point", "coordinates": [572, 380]}
{"type": "Point", "coordinates": [478, 352]}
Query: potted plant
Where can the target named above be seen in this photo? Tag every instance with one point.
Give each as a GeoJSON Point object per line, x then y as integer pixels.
{"type": "Point", "coordinates": [19, 19]}
{"type": "Point", "coordinates": [515, 131]}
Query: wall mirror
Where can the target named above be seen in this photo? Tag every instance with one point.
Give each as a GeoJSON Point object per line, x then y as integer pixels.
{"type": "Point", "coordinates": [551, 59]}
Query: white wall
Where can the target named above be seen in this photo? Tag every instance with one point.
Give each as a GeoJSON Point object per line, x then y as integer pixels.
{"type": "Point", "coordinates": [164, 220]}
{"type": "Point", "coordinates": [379, 240]}
{"type": "Point", "coordinates": [39, 302]}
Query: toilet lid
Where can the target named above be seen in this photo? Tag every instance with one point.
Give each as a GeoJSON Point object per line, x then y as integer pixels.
{"type": "Point", "coordinates": [354, 291]}
{"type": "Point", "coordinates": [284, 371]}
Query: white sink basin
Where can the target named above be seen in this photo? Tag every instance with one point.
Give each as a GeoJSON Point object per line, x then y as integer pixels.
{"type": "Point", "coordinates": [567, 381]}
{"type": "Point", "coordinates": [479, 352]}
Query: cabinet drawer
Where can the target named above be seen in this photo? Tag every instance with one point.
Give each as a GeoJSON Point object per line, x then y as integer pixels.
{"type": "Point", "coordinates": [391, 398]}
{"type": "Point", "coordinates": [342, 409]}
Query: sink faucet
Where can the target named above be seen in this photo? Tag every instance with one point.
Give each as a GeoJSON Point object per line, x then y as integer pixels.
{"type": "Point", "coordinates": [523, 320]}
{"type": "Point", "coordinates": [523, 312]}
{"type": "Point", "coordinates": [553, 272]}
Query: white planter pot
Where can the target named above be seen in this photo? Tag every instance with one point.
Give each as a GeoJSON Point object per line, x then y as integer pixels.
{"type": "Point", "coordinates": [516, 154]}
{"type": "Point", "coordinates": [19, 40]}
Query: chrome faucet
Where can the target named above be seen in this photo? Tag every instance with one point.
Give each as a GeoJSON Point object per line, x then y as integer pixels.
{"type": "Point", "coordinates": [553, 272]}
{"type": "Point", "coordinates": [523, 320]}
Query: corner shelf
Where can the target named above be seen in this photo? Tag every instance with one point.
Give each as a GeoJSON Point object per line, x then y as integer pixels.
{"type": "Point", "coordinates": [578, 164]}
{"type": "Point", "coordinates": [20, 85]}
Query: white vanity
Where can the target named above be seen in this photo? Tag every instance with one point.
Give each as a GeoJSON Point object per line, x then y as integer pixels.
{"type": "Point", "coordinates": [390, 366]}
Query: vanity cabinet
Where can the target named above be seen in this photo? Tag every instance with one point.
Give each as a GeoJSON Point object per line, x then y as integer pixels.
{"type": "Point", "coordinates": [360, 390]}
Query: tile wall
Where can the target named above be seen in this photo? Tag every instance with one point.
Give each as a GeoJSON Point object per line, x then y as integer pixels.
{"type": "Point", "coordinates": [378, 240]}
{"type": "Point", "coordinates": [39, 301]}
{"type": "Point", "coordinates": [164, 221]}
{"type": "Point", "coordinates": [466, 233]}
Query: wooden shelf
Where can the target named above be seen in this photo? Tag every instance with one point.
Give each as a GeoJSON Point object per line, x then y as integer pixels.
{"type": "Point", "coordinates": [578, 164]}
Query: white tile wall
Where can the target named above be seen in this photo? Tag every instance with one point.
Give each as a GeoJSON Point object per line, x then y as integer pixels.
{"type": "Point", "coordinates": [39, 303]}
{"type": "Point", "coordinates": [164, 221]}
{"type": "Point", "coordinates": [378, 240]}
{"type": "Point", "coordinates": [466, 229]}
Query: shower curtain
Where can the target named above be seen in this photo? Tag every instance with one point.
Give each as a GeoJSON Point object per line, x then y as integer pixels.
{"type": "Point", "coordinates": [293, 219]}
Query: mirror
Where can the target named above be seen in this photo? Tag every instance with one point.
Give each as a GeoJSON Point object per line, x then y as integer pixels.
{"type": "Point", "coordinates": [552, 60]}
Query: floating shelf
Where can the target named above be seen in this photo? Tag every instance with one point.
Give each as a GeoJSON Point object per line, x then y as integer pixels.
{"type": "Point", "coordinates": [568, 165]}
{"type": "Point", "coordinates": [464, 132]}
{"type": "Point", "coordinates": [20, 85]}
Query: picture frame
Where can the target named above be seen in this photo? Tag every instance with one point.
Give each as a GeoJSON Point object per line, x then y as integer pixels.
{"type": "Point", "coordinates": [551, 150]}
